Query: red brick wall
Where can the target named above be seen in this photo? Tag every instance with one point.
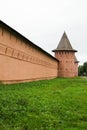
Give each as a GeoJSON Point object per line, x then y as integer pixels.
{"type": "Point", "coordinates": [67, 65]}
{"type": "Point", "coordinates": [20, 61]}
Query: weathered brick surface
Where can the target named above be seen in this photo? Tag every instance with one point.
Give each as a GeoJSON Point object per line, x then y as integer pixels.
{"type": "Point", "coordinates": [67, 65]}
{"type": "Point", "coordinates": [22, 62]}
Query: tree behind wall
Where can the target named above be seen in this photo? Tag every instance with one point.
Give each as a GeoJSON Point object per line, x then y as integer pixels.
{"type": "Point", "coordinates": [82, 69]}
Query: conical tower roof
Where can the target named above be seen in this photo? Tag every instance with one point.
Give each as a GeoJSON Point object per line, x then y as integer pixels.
{"type": "Point", "coordinates": [64, 44]}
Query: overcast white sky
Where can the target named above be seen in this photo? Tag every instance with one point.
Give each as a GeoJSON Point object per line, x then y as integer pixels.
{"type": "Point", "coordinates": [44, 21]}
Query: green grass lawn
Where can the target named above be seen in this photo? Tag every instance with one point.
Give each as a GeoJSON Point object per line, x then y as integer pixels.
{"type": "Point", "coordinates": [58, 104]}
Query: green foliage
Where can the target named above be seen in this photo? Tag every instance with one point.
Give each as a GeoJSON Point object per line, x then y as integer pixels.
{"type": "Point", "coordinates": [85, 68]}
{"type": "Point", "coordinates": [82, 69]}
{"type": "Point", "coordinates": [58, 104]}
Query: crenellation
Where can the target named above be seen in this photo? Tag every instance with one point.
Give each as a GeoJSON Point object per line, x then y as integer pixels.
{"type": "Point", "coordinates": [9, 51]}
{"type": "Point", "coordinates": [2, 49]}
{"type": "Point", "coordinates": [23, 56]}
{"type": "Point", "coordinates": [15, 54]}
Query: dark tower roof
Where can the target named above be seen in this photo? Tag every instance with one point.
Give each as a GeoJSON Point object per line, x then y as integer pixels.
{"type": "Point", "coordinates": [64, 44]}
{"type": "Point", "coordinates": [76, 61]}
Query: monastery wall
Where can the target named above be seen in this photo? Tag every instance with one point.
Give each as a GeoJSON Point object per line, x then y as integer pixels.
{"type": "Point", "coordinates": [21, 61]}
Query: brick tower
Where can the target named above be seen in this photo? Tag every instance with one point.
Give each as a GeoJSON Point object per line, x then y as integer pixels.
{"type": "Point", "coordinates": [68, 64]}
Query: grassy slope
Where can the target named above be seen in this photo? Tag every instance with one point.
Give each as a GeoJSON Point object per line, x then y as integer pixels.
{"type": "Point", "coordinates": [58, 104]}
